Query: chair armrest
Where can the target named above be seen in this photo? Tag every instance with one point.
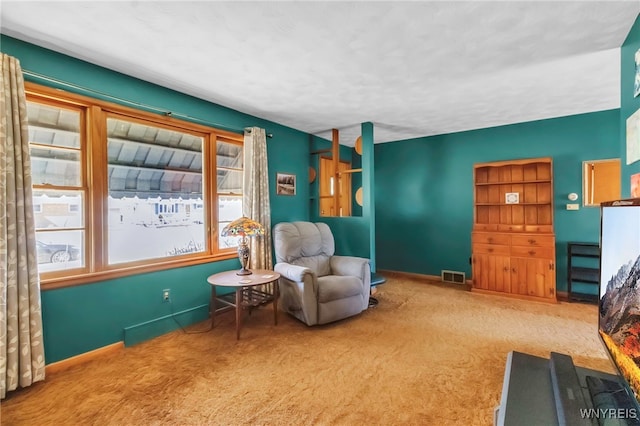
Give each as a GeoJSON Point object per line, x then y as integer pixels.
{"type": "Point", "coordinates": [350, 265]}
{"type": "Point", "coordinates": [292, 272]}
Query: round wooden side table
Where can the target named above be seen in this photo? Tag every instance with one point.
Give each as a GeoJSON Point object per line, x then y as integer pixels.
{"type": "Point", "coordinates": [248, 295]}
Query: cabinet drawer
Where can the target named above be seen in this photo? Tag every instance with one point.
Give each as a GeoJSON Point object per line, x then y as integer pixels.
{"type": "Point", "coordinates": [479, 248]}
{"type": "Point", "coordinates": [490, 238]}
{"type": "Point", "coordinates": [485, 227]}
{"type": "Point", "coordinates": [510, 228]}
{"type": "Point", "coordinates": [547, 229]}
{"type": "Point", "coordinates": [532, 240]}
{"type": "Point", "coordinates": [537, 252]}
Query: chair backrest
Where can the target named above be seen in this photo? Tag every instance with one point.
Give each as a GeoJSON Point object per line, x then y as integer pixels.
{"type": "Point", "coordinates": [304, 244]}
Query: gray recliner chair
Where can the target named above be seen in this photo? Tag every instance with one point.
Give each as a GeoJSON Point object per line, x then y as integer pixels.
{"type": "Point", "coordinates": [315, 286]}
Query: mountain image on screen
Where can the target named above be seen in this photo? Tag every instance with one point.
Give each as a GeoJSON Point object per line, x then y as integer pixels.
{"type": "Point", "coordinates": [620, 310]}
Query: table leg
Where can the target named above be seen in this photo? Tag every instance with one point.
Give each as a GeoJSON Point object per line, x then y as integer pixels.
{"type": "Point", "coordinates": [238, 311]}
{"type": "Point", "coordinates": [275, 302]}
{"type": "Point", "coordinates": [213, 305]}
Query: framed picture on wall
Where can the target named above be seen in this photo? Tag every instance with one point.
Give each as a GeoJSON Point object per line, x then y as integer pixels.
{"type": "Point", "coordinates": [285, 184]}
{"type": "Point", "coordinates": [633, 137]}
{"type": "Point", "coordinates": [635, 185]}
{"type": "Point", "coordinates": [636, 84]}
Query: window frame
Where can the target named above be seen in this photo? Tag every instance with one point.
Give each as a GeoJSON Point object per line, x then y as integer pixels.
{"type": "Point", "coordinates": [218, 195]}
{"type": "Point", "coordinates": [81, 187]}
{"type": "Point", "coordinates": [95, 181]}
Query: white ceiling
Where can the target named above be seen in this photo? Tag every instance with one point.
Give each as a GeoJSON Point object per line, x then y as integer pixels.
{"type": "Point", "coordinates": [412, 68]}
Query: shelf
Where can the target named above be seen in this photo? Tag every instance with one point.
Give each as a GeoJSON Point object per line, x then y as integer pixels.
{"type": "Point", "coordinates": [546, 203]}
{"type": "Point", "coordinates": [350, 171]}
{"type": "Point", "coordinates": [584, 297]}
{"type": "Point", "coordinates": [515, 182]}
{"type": "Point", "coordinates": [251, 298]}
{"type": "Point", "coordinates": [584, 249]}
{"type": "Point", "coordinates": [587, 273]}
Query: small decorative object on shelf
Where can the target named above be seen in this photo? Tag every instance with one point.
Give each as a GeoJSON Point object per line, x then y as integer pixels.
{"type": "Point", "coordinates": [243, 227]}
{"type": "Point", "coordinates": [512, 198]}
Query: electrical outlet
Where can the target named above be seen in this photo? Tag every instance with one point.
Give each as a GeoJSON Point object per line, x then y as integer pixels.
{"type": "Point", "coordinates": [573, 206]}
{"type": "Point", "coordinates": [166, 295]}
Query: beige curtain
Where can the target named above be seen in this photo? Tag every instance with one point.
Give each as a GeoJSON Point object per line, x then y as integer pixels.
{"type": "Point", "coordinates": [255, 200]}
{"type": "Point", "coordinates": [21, 344]}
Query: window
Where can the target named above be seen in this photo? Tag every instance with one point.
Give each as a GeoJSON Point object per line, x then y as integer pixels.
{"type": "Point", "coordinates": [119, 191]}
{"type": "Point", "coordinates": [56, 147]}
{"type": "Point", "coordinates": [601, 181]}
{"type": "Point", "coordinates": [155, 180]}
{"type": "Point", "coordinates": [229, 161]}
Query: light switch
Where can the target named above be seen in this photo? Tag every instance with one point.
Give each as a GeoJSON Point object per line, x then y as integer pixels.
{"type": "Point", "coordinates": [573, 206]}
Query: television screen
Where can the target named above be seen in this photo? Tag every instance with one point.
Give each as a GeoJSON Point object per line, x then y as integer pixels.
{"type": "Point", "coordinates": [619, 307]}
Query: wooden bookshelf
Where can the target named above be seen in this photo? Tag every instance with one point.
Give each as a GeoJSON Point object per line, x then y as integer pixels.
{"type": "Point", "coordinates": [513, 244]}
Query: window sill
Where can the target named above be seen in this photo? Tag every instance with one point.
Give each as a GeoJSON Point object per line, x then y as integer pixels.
{"type": "Point", "coordinates": [92, 277]}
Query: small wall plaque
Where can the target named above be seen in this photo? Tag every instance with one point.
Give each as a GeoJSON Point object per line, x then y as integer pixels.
{"type": "Point", "coordinates": [512, 198]}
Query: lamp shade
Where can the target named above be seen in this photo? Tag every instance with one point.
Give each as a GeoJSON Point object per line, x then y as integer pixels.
{"type": "Point", "coordinates": [243, 227]}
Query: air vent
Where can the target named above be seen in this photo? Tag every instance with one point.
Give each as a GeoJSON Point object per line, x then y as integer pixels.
{"type": "Point", "coordinates": [453, 277]}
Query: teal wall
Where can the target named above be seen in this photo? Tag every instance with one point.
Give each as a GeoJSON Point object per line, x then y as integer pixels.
{"type": "Point", "coordinates": [628, 103]}
{"type": "Point", "coordinates": [85, 317]}
{"type": "Point", "coordinates": [82, 318]}
{"type": "Point", "coordinates": [425, 188]}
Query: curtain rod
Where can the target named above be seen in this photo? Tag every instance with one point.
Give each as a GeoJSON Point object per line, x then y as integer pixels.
{"type": "Point", "coordinates": [163, 111]}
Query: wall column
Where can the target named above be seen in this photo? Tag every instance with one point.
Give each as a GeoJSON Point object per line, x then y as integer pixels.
{"type": "Point", "coordinates": [368, 181]}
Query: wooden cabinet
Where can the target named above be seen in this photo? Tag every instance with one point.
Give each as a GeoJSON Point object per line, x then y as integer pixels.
{"type": "Point", "coordinates": [492, 272]}
{"type": "Point", "coordinates": [513, 245]}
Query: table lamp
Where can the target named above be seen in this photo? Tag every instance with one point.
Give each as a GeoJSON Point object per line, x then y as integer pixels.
{"type": "Point", "coordinates": [243, 228]}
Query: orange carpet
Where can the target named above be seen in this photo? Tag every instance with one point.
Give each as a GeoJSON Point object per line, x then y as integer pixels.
{"type": "Point", "coordinates": [426, 355]}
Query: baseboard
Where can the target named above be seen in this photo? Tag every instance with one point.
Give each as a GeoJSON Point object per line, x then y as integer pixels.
{"type": "Point", "coordinates": [562, 296]}
{"type": "Point", "coordinates": [433, 279]}
{"type": "Point", "coordinates": [82, 358]}
{"type": "Point", "coordinates": [402, 274]}
{"type": "Point", "coordinates": [156, 327]}
{"type": "Point", "coordinates": [516, 296]}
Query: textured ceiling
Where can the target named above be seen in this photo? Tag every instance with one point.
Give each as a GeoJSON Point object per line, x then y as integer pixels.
{"type": "Point", "coordinates": [412, 68]}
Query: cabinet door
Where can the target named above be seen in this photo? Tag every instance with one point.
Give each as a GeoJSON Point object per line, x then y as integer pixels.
{"type": "Point", "coordinates": [491, 272]}
{"type": "Point", "coordinates": [533, 277]}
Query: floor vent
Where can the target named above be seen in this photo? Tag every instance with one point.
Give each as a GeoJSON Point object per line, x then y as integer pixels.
{"type": "Point", "coordinates": [453, 277]}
